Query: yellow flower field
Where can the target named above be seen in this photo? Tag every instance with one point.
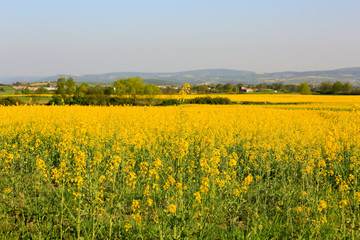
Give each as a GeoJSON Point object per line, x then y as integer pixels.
{"type": "Point", "coordinates": [282, 98]}
{"type": "Point", "coordinates": [188, 171]}
{"type": "Point", "coordinates": [334, 100]}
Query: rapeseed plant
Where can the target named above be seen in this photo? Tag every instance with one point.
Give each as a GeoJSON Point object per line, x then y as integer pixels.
{"type": "Point", "coordinates": [219, 172]}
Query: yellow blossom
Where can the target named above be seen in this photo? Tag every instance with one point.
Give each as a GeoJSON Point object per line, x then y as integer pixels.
{"type": "Point", "coordinates": [322, 205]}
{"type": "Point", "coordinates": [172, 208]}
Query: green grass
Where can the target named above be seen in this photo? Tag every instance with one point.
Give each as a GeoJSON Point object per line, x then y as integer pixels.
{"type": "Point", "coordinates": [34, 99]}
{"type": "Point", "coordinates": [7, 90]}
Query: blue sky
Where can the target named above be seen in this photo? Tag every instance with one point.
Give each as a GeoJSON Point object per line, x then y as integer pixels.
{"type": "Point", "coordinates": [69, 37]}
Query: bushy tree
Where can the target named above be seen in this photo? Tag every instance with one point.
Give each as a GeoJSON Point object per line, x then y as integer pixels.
{"type": "Point", "coordinates": [326, 88]}
{"type": "Point", "coordinates": [337, 87]}
{"type": "Point", "coordinates": [109, 91]}
{"type": "Point", "coordinates": [82, 90]}
{"type": "Point", "coordinates": [65, 86]}
{"type": "Point", "coordinates": [61, 86]}
{"type": "Point", "coordinates": [134, 86]}
{"type": "Point", "coordinates": [239, 85]}
{"type": "Point", "coordinates": [219, 87]}
{"type": "Point", "coordinates": [305, 88]}
{"type": "Point", "coordinates": [70, 86]}
{"type": "Point", "coordinates": [262, 86]}
{"type": "Point", "coordinates": [41, 90]}
{"type": "Point", "coordinates": [228, 88]}
{"type": "Point", "coordinates": [27, 91]}
{"type": "Point", "coordinates": [151, 89]}
{"type": "Point", "coordinates": [347, 88]}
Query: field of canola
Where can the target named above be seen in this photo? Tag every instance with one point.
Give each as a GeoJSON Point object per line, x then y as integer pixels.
{"type": "Point", "coordinates": [187, 172]}
{"type": "Point", "coordinates": [282, 98]}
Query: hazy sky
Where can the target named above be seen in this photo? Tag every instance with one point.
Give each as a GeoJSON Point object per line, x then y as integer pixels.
{"type": "Point", "coordinates": [45, 37]}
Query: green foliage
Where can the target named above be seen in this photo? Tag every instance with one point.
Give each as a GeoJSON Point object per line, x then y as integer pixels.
{"type": "Point", "coordinates": [239, 85]}
{"type": "Point", "coordinates": [61, 86]}
{"type": "Point", "coordinates": [336, 88]}
{"type": "Point", "coordinates": [6, 90]}
{"type": "Point", "coordinates": [65, 86]}
{"type": "Point", "coordinates": [70, 86]}
{"type": "Point", "coordinates": [41, 90]}
{"type": "Point", "coordinates": [151, 89]}
{"type": "Point", "coordinates": [201, 89]}
{"type": "Point", "coordinates": [305, 88]}
{"type": "Point", "coordinates": [347, 88]}
{"type": "Point", "coordinates": [326, 88]}
{"type": "Point", "coordinates": [169, 102]}
{"type": "Point", "coordinates": [228, 88]}
{"type": "Point", "coordinates": [27, 91]}
{"type": "Point", "coordinates": [9, 101]}
{"type": "Point", "coordinates": [219, 87]}
{"type": "Point", "coordinates": [56, 100]}
{"type": "Point", "coordinates": [82, 90]}
{"type": "Point", "coordinates": [109, 91]}
{"type": "Point", "coordinates": [209, 100]}
{"type": "Point", "coordinates": [198, 100]}
{"type": "Point", "coordinates": [132, 86]}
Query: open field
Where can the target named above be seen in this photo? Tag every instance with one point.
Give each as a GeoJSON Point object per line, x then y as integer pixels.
{"type": "Point", "coordinates": [189, 171]}
{"type": "Point", "coordinates": [282, 98]}
{"type": "Point", "coordinates": [7, 90]}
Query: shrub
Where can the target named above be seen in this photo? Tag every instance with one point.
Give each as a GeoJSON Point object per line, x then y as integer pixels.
{"type": "Point", "coordinates": [9, 101]}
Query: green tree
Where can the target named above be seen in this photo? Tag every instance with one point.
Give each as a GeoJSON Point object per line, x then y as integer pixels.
{"type": "Point", "coordinates": [337, 87]}
{"type": "Point", "coordinates": [202, 89]}
{"type": "Point", "coordinates": [151, 89]}
{"type": "Point", "coordinates": [61, 86]}
{"type": "Point", "coordinates": [135, 86]}
{"type": "Point", "coordinates": [291, 88]}
{"type": "Point", "coordinates": [120, 87]}
{"type": "Point", "coordinates": [305, 88]}
{"type": "Point", "coordinates": [109, 90]}
{"type": "Point", "coordinates": [70, 86]}
{"type": "Point", "coordinates": [219, 87]}
{"type": "Point", "coordinates": [41, 90]}
{"type": "Point", "coordinates": [261, 86]}
{"type": "Point", "coordinates": [131, 86]}
{"type": "Point", "coordinates": [228, 88]}
{"type": "Point", "coordinates": [326, 88]}
{"type": "Point", "coordinates": [347, 88]}
{"type": "Point", "coordinates": [95, 96]}
{"type": "Point", "coordinates": [82, 90]}
{"type": "Point", "coordinates": [239, 85]}
{"type": "Point", "coordinates": [27, 91]}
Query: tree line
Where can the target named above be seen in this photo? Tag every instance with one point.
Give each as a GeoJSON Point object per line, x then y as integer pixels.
{"type": "Point", "coordinates": [337, 88]}
{"type": "Point", "coordinates": [303, 88]}
{"type": "Point", "coordinates": [123, 91]}
{"type": "Point", "coordinates": [330, 88]}
{"type": "Point", "coordinates": [237, 88]}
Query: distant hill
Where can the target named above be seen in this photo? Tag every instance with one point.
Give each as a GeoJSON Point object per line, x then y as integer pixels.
{"type": "Point", "coordinates": [9, 80]}
{"type": "Point", "coordinates": [166, 78]}
{"type": "Point", "coordinates": [351, 75]}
